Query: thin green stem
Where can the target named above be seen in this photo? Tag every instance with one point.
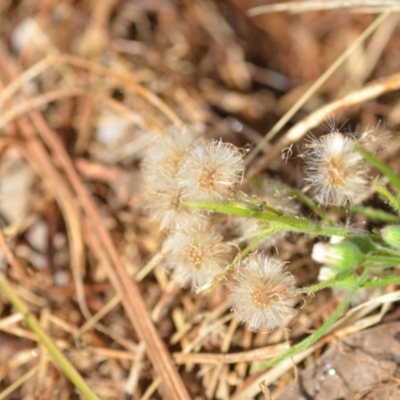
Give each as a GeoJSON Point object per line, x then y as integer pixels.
{"type": "Point", "coordinates": [307, 201]}
{"type": "Point", "coordinates": [386, 251]}
{"type": "Point", "coordinates": [331, 282]}
{"type": "Point", "coordinates": [387, 196]}
{"type": "Point", "coordinates": [389, 280]}
{"type": "Point", "coordinates": [381, 166]}
{"type": "Point", "coordinates": [349, 281]}
{"type": "Point", "coordinates": [375, 214]}
{"type": "Point", "coordinates": [314, 337]}
{"type": "Point", "coordinates": [279, 222]}
{"type": "Point", "coordinates": [381, 259]}
{"type": "Point", "coordinates": [261, 236]}
{"type": "Point", "coordinates": [69, 370]}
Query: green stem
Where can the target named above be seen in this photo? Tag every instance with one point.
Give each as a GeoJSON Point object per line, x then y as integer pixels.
{"type": "Point", "coordinates": [314, 337]}
{"type": "Point", "coordinates": [387, 196]}
{"type": "Point", "coordinates": [395, 279]}
{"type": "Point", "coordinates": [323, 285]}
{"type": "Point", "coordinates": [381, 166]}
{"type": "Point", "coordinates": [303, 198]}
{"type": "Point", "coordinates": [260, 237]}
{"type": "Point", "coordinates": [280, 222]}
{"type": "Point", "coordinates": [389, 261]}
{"type": "Point", "coordinates": [375, 214]}
{"type": "Point", "coordinates": [45, 340]}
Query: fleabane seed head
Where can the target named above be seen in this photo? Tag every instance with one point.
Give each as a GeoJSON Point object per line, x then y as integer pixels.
{"type": "Point", "coordinates": [195, 255]}
{"type": "Point", "coordinates": [211, 172]}
{"type": "Point", "coordinates": [263, 295]}
{"type": "Point", "coordinates": [165, 155]}
{"type": "Point", "coordinates": [335, 170]}
{"type": "Point", "coordinates": [163, 203]}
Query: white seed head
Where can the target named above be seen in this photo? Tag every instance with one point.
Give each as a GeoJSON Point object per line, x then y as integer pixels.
{"type": "Point", "coordinates": [195, 255]}
{"type": "Point", "coordinates": [163, 203]}
{"type": "Point", "coordinates": [335, 170]}
{"type": "Point", "coordinates": [165, 155]}
{"type": "Point", "coordinates": [264, 294]}
{"type": "Point", "coordinates": [211, 172]}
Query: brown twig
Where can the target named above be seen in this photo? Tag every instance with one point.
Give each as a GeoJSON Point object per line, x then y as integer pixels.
{"type": "Point", "coordinates": [37, 102]}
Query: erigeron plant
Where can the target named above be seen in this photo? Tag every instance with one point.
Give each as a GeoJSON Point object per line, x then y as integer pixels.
{"type": "Point", "coordinates": [263, 295]}
{"type": "Point", "coordinates": [334, 169]}
{"type": "Point", "coordinates": [189, 178]}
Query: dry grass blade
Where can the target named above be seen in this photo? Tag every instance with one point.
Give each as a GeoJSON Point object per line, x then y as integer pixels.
{"type": "Point", "coordinates": [54, 61]}
{"type": "Point", "coordinates": [30, 374]}
{"type": "Point", "coordinates": [261, 354]}
{"type": "Point", "coordinates": [290, 113]}
{"type": "Point", "coordinates": [317, 5]}
{"type": "Point", "coordinates": [369, 91]}
{"type": "Point", "coordinates": [53, 350]}
{"type": "Point", "coordinates": [38, 102]}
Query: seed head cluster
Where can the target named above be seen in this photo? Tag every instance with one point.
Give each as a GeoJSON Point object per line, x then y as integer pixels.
{"type": "Point", "coordinates": [182, 167]}
{"type": "Point", "coordinates": [335, 170]}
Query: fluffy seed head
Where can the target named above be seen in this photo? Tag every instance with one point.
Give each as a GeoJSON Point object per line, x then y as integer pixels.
{"type": "Point", "coordinates": [163, 203]}
{"type": "Point", "coordinates": [165, 155]}
{"type": "Point", "coordinates": [195, 255]}
{"type": "Point", "coordinates": [211, 173]}
{"type": "Point", "coordinates": [335, 170]}
{"type": "Point", "coordinates": [264, 294]}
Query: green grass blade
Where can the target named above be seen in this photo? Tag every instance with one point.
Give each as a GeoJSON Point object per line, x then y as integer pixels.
{"type": "Point", "coordinates": [62, 362]}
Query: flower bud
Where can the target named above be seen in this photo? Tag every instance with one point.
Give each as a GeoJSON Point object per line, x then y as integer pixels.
{"type": "Point", "coordinates": [391, 235]}
{"type": "Point", "coordinates": [342, 255]}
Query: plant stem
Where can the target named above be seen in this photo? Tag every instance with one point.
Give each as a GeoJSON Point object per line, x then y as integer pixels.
{"type": "Point", "coordinates": [375, 214]}
{"type": "Point", "coordinates": [279, 222]}
{"type": "Point", "coordinates": [387, 196]}
{"type": "Point", "coordinates": [322, 285]}
{"type": "Point", "coordinates": [383, 167]}
{"type": "Point", "coordinates": [379, 259]}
